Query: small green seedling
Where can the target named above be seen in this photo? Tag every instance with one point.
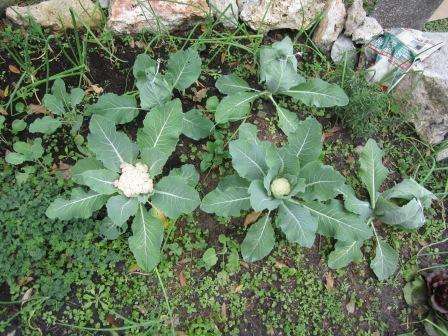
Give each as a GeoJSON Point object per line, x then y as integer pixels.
{"type": "Point", "coordinates": [63, 108]}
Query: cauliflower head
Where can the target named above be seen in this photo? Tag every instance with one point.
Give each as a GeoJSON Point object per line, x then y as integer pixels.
{"type": "Point", "coordinates": [280, 187]}
{"type": "Point", "coordinates": [134, 180]}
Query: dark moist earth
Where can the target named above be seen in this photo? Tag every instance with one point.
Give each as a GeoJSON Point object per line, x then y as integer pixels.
{"type": "Point", "coordinates": [78, 280]}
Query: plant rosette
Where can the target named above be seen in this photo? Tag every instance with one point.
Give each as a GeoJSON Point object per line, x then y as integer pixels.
{"type": "Point", "coordinates": [124, 176]}
{"type": "Point", "coordinates": [290, 185]}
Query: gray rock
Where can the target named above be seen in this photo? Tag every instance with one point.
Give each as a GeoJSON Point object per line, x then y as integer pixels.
{"type": "Point", "coordinates": [104, 3]}
{"type": "Point", "coordinates": [428, 87]}
{"type": "Point", "coordinates": [404, 13]}
{"type": "Point", "coordinates": [331, 24]}
{"type": "Point", "coordinates": [266, 15]}
{"type": "Point", "coordinates": [135, 16]}
{"type": "Point", "coordinates": [225, 11]}
{"type": "Point", "coordinates": [343, 49]}
{"type": "Point", "coordinates": [56, 13]}
{"type": "Point", "coordinates": [366, 31]}
{"type": "Point", "coordinates": [355, 17]}
{"type": "Point", "coordinates": [442, 155]}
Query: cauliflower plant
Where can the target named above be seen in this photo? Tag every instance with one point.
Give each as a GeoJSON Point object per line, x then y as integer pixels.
{"type": "Point", "coordinates": [280, 187]}
{"type": "Point", "coordinates": [134, 180]}
{"type": "Point", "coordinates": [123, 176]}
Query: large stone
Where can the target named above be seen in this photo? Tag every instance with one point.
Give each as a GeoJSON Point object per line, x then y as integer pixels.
{"type": "Point", "coordinates": [225, 11]}
{"type": "Point", "coordinates": [265, 15]}
{"type": "Point", "coordinates": [365, 32]}
{"type": "Point", "coordinates": [355, 17]}
{"type": "Point", "coordinates": [404, 13]}
{"type": "Point", "coordinates": [135, 16]}
{"type": "Point", "coordinates": [331, 24]}
{"type": "Point", "coordinates": [343, 49]}
{"type": "Point", "coordinates": [56, 14]}
{"type": "Point", "coordinates": [427, 86]}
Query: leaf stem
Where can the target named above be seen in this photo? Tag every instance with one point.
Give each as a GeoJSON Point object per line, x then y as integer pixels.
{"type": "Point", "coordinates": [167, 302]}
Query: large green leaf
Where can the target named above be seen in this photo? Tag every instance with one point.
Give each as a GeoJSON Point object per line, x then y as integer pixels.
{"type": "Point", "coordinates": [287, 120]}
{"type": "Point", "coordinates": [409, 189]}
{"type": "Point", "coordinates": [235, 106]}
{"type": "Point", "coordinates": [162, 127]}
{"type": "Point", "coordinates": [120, 208]}
{"type": "Point", "coordinates": [46, 125]}
{"type": "Point", "coordinates": [352, 203]}
{"type": "Point", "coordinates": [408, 216]}
{"type": "Point", "coordinates": [227, 202]}
{"type": "Point", "coordinates": [100, 180]}
{"type": "Point", "coordinates": [297, 223]}
{"type": "Point", "coordinates": [153, 88]}
{"type": "Point", "coordinates": [385, 262]}
{"type": "Point", "coordinates": [259, 199]}
{"type": "Point", "coordinates": [112, 148]}
{"type": "Point", "coordinates": [155, 159]}
{"type": "Point", "coordinates": [146, 239]}
{"type": "Point", "coordinates": [335, 222]}
{"type": "Point", "coordinates": [259, 240]}
{"type": "Point", "coordinates": [188, 172]}
{"type": "Point", "coordinates": [196, 125]}
{"type": "Point", "coordinates": [249, 158]}
{"type": "Point", "coordinates": [120, 109]}
{"type": "Point", "coordinates": [82, 166]}
{"type": "Point", "coordinates": [372, 172]}
{"type": "Point", "coordinates": [183, 68]}
{"type": "Point", "coordinates": [344, 253]}
{"type": "Point", "coordinates": [319, 93]}
{"type": "Point", "coordinates": [81, 205]}
{"type": "Point", "coordinates": [142, 62]}
{"type": "Point", "coordinates": [53, 104]}
{"type": "Point", "coordinates": [175, 197]}
{"type": "Point", "coordinates": [233, 181]}
{"type": "Point", "coordinates": [306, 142]}
{"type": "Point", "coordinates": [321, 181]}
{"type": "Point", "coordinates": [278, 66]}
{"type": "Point", "coordinates": [229, 84]}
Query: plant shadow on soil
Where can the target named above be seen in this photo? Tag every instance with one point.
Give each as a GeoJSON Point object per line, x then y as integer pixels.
{"type": "Point", "coordinates": [289, 292]}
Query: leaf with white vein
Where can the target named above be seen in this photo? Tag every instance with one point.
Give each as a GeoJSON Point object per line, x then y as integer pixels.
{"type": "Point", "coordinates": [287, 120]}
{"type": "Point", "coordinates": [229, 84]}
{"type": "Point", "coordinates": [297, 223]}
{"type": "Point", "coordinates": [80, 205]}
{"type": "Point", "coordinates": [162, 127]}
{"type": "Point", "coordinates": [319, 93]}
{"type": "Point", "coordinates": [259, 199]}
{"type": "Point", "coordinates": [100, 180]}
{"type": "Point", "coordinates": [112, 148]}
{"type": "Point", "coordinates": [335, 222]}
{"type": "Point", "coordinates": [195, 125]}
{"type": "Point", "coordinates": [385, 262]}
{"type": "Point", "coordinates": [146, 239]}
{"type": "Point", "coordinates": [235, 106]}
{"type": "Point", "coordinates": [249, 159]}
{"type": "Point", "coordinates": [344, 253]}
{"type": "Point", "coordinates": [183, 68]}
{"type": "Point", "coordinates": [259, 240]}
{"type": "Point", "coordinates": [305, 143]}
{"type": "Point", "coordinates": [120, 109]}
{"type": "Point", "coordinates": [175, 197]}
{"type": "Point", "coordinates": [372, 172]}
{"type": "Point", "coordinates": [321, 181]}
{"type": "Point", "coordinates": [226, 203]}
{"type": "Point", "coordinates": [120, 208]}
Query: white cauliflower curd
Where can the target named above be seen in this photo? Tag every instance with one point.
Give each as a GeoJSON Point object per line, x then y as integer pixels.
{"type": "Point", "coordinates": [134, 180]}
{"type": "Point", "coordinates": [280, 187]}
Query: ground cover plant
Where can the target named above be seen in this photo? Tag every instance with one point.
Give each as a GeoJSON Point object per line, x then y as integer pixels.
{"type": "Point", "coordinates": [79, 276]}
